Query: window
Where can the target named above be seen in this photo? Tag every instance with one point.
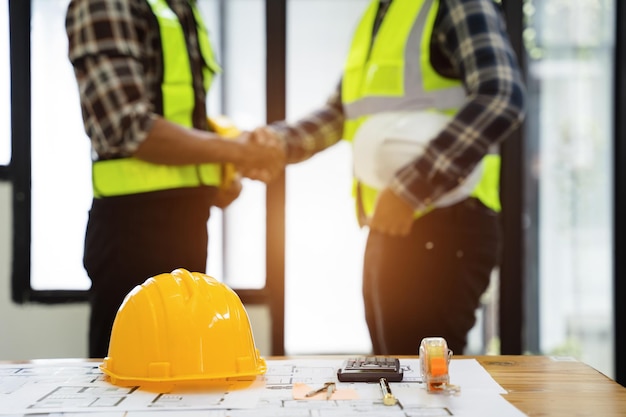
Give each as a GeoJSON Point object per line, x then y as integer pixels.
{"type": "Point", "coordinates": [320, 221]}
{"type": "Point", "coordinates": [570, 52]}
{"type": "Point", "coordinates": [324, 245]}
{"type": "Point", "coordinates": [60, 155]}
{"type": "Point", "coordinates": [238, 240]}
{"type": "Point", "coordinates": [50, 216]}
{"type": "Point", "coordinates": [60, 159]}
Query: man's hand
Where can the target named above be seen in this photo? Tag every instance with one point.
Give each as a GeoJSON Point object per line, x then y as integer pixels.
{"type": "Point", "coordinates": [226, 195]}
{"type": "Point", "coordinates": [392, 215]}
{"type": "Point", "coordinates": [267, 142]}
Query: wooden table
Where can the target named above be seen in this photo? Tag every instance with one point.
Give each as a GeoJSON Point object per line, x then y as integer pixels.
{"type": "Point", "coordinates": [536, 385]}
{"type": "Point", "coordinates": [543, 386]}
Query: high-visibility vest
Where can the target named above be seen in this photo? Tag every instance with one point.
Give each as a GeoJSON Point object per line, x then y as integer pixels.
{"type": "Point", "coordinates": [132, 176]}
{"type": "Point", "coordinates": [396, 74]}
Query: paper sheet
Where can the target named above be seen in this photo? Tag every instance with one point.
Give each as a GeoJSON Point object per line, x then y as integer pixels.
{"type": "Point", "coordinates": [80, 387]}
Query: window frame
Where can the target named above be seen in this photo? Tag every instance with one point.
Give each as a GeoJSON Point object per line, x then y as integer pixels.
{"type": "Point", "coordinates": [20, 166]}
{"type": "Point", "coordinates": [619, 175]}
{"type": "Point", "coordinates": [20, 14]}
{"type": "Point", "coordinates": [5, 170]}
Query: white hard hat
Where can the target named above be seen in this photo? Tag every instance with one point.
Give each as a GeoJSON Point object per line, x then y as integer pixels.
{"type": "Point", "coordinates": [386, 142]}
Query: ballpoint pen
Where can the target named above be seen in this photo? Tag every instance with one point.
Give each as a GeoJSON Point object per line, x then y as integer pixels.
{"type": "Point", "coordinates": [388, 397]}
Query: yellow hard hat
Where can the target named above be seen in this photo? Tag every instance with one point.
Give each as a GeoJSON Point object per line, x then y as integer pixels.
{"type": "Point", "coordinates": [386, 142]}
{"type": "Point", "coordinates": [180, 327]}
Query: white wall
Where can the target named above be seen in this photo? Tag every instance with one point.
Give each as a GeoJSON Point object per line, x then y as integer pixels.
{"type": "Point", "coordinates": [36, 331]}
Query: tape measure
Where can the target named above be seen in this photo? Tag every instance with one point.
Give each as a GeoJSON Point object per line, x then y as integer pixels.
{"type": "Point", "coordinates": [434, 362]}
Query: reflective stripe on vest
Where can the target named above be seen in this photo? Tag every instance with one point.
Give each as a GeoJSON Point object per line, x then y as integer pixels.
{"type": "Point", "coordinates": [397, 75]}
{"type": "Point", "coordinates": [131, 175]}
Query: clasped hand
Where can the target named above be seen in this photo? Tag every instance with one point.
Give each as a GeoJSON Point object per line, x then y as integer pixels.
{"type": "Point", "coordinates": [265, 157]}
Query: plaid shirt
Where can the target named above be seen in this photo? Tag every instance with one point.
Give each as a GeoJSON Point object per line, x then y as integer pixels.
{"type": "Point", "coordinates": [470, 43]}
{"type": "Point", "coordinates": [115, 49]}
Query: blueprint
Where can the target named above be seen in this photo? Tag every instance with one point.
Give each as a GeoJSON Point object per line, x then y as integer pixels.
{"type": "Point", "coordinates": [59, 388]}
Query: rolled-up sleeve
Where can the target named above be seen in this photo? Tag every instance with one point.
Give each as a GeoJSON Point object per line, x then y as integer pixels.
{"type": "Point", "coordinates": [105, 48]}
{"type": "Point", "coordinates": [314, 132]}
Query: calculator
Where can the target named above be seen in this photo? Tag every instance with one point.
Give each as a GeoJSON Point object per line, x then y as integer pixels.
{"type": "Point", "coordinates": [370, 369]}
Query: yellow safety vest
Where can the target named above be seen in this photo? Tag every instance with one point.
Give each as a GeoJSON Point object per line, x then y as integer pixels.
{"type": "Point", "coordinates": [396, 75]}
{"type": "Point", "coordinates": [132, 176]}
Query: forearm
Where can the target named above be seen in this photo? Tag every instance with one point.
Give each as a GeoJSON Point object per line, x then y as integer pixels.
{"type": "Point", "coordinates": [313, 133]}
{"type": "Point", "coordinates": [171, 144]}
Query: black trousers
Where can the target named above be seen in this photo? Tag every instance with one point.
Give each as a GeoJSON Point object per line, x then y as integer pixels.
{"type": "Point", "coordinates": [430, 282]}
{"type": "Point", "coordinates": [132, 238]}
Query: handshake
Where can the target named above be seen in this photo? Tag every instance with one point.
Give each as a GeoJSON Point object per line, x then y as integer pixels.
{"type": "Point", "coordinates": [263, 155]}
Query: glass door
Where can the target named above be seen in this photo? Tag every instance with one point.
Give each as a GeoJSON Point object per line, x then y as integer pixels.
{"type": "Point", "coordinates": [569, 142]}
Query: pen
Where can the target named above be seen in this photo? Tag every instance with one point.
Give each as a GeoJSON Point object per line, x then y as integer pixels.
{"type": "Point", "coordinates": [388, 398]}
